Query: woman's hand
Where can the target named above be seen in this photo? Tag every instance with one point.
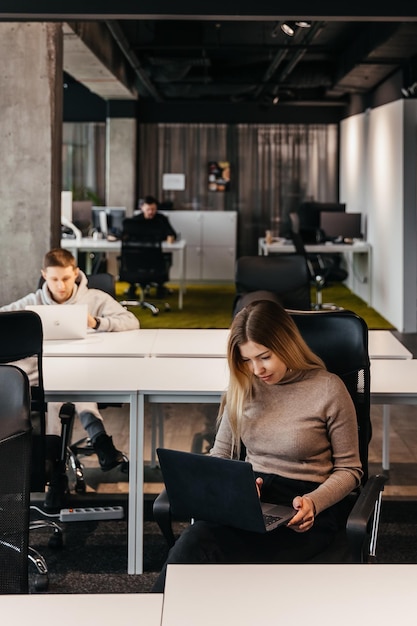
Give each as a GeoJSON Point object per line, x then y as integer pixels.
{"type": "Point", "coordinates": [304, 518]}
{"type": "Point", "coordinates": [259, 482]}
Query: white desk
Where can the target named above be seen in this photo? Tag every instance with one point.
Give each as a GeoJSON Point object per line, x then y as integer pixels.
{"type": "Point", "coordinates": [350, 251]}
{"type": "Point", "coordinates": [250, 595]}
{"type": "Point", "coordinates": [392, 382]}
{"type": "Point", "coordinates": [88, 244]}
{"type": "Point", "coordinates": [127, 343]}
{"type": "Point", "coordinates": [187, 342]}
{"type": "Point", "coordinates": [384, 345]}
{"type": "Point", "coordinates": [82, 609]}
{"type": "Point", "coordinates": [191, 342]}
{"type": "Point", "coordinates": [98, 379]}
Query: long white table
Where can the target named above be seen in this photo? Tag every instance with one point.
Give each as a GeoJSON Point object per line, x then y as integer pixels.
{"type": "Point", "coordinates": [319, 595]}
{"type": "Point", "coordinates": [174, 371]}
{"type": "Point", "coordinates": [88, 244]}
{"type": "Point", "coordinates": [188, 342]}
{"type": "Point", "coordinates": [82, 609]}
{"type": "Point", "coordinates": [350, 251]}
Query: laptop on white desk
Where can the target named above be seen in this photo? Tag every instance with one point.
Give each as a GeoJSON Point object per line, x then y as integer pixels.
{"type": "Point", "coordinates": [62, 321]}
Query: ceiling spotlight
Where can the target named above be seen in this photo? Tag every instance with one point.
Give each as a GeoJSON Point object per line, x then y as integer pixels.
{"type": "Point", "coordinates": [288, 28]}
{"type": "Point", "coordinates": [303, 24]}
{"type": "Point", "coordinates": [409, 91]}
{"type": "Point", "coordinates": [275, 100]}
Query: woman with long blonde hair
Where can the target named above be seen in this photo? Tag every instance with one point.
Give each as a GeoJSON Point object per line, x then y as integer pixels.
{"type": "Point", "coordinates": [296, 424]}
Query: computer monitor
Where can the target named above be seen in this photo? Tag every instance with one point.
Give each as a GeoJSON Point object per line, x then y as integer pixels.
{"type": "Point", "coordinates": [309, 213]}
{"type": "Point", "coordinates": [108, 220]}
{"type": "Point", "coordinates": [341, 225]}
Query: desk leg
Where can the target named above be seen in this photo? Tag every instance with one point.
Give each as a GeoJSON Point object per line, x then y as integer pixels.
{"type": "Point", "coordinates": [182, 278]}
{"type": "Point", "coordinates": [135, 519]}
{"type": "Point", "coordinates": [385, 436]}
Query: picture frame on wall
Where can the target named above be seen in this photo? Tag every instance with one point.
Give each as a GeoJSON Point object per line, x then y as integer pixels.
{"type": "Point", "coordinates": [219, 176]}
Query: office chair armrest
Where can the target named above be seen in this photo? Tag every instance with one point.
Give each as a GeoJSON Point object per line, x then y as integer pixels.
{"type": "Point", "coordinates": [162, 516]}
{"type": "Point", "coordinates": [366, 506]}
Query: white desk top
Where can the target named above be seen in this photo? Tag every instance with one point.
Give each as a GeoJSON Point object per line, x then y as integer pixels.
{"type": "Point", "coordinates": [188, 376]}
{"type": "Point", "coordinates": [190, 342]}
{"type": "Point", "coordinates": [83, 609]}
{"type": "Point", "coordinates": [250, 595]}
{"type": "Point", "coordinates": [384, 345]}
{"type": "Point", "coordinates": [283, 245]}
{"type": "Point", "coordinates": [394, 381]}
{"type": "Point", "coordinates": [95, 375]}
{"type": "Point", "coordinates": [118, 344]}
{"type": "Point", "coordinates": [104, 245]}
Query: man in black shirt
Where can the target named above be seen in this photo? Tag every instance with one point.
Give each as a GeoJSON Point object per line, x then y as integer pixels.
{"type": "Point", "coordinates": [159, 227]}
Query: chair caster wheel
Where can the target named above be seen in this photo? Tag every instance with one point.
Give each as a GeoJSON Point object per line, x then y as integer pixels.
{"type": "Point", "coordinates": [41, 582]}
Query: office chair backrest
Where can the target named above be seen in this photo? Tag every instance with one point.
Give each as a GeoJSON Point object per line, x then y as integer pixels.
{"type": "Point", "coordinates": [15, 458]}
{"type": "Point", "coordinates": [142, 260]}
{"type": "Point", "coordinates": [340, 338]}
{"type": "Point", "coordinates": [21, 337]}
{"type": "Point", "coordinates": [284, 275]}
{"type": "Point", "coordinates": [103, 281]}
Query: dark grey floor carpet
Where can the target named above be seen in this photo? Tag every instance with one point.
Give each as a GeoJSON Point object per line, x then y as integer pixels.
{"type": "Point", "coordinates": [94, 556]}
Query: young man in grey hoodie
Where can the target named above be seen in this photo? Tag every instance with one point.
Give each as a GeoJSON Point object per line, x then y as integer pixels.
{"type": "Point", "coordinates": [65, 283]}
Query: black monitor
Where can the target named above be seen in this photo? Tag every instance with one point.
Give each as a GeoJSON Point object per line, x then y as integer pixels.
{"type": "Point", "coordinates": [108, 220]}
{"type": "Point", "coordinates": [341, 225]}
{"type": "Point", "coordinates": [309, 213]}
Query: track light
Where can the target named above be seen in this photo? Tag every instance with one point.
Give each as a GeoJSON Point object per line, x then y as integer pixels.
{"type": "Point", "coordinates": [288, 28]}
{"type": "Point", "coordinates": [409, 91]}
{"type": "Point", "coordinates": [303, 24]}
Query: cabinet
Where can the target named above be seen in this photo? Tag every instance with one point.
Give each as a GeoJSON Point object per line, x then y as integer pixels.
{"type": "Point", "coordinates": [211, 244]}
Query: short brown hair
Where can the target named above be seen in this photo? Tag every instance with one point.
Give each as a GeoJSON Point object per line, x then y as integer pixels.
{"type": "Point", "coordinates": [59, 257]}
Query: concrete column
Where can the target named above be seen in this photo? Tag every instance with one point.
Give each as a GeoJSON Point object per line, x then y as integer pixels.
{"type": "Point", "coordinates": [121, 163]}
{"type": "Point", "coordinates": [30, 151]}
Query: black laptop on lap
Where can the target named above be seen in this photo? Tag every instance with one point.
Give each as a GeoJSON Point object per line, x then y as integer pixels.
{"type": "Point", "coordinates": [223, 491]}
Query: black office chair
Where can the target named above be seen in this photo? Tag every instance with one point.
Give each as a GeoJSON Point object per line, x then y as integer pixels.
{"type": "Point", "coordinates": [324, 269]}
{"type": "Point", "coordinates": [15, 465]}
{"type": "Point", "coordinates": [340, 338]}
{"type": "Point", "coordinates": [283, 277]}
{"type": "Point", "coordinates": [142, 262]}
{"type": "Point", "coordinates": [21, 343]}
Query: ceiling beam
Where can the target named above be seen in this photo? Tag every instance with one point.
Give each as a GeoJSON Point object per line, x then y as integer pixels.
{"type": "Point", "coordinates": [216, 9]}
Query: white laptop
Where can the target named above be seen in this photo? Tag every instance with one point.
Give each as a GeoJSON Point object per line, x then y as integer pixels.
{"type": "Point", "coordinates": [62, 321]}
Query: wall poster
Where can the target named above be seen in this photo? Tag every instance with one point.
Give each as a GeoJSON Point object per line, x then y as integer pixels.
{"type": "Point", "coordinates": [219, 175]}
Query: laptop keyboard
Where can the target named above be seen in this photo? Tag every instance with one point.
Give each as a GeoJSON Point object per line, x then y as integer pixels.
{"type": "Point", "coordinates": [271, 519]}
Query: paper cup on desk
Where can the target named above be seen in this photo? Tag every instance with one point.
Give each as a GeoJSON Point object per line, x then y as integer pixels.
{"type": "Point", "coordinates": [170, 239]}
{"type": "Point", "coordinates": [268, 236]}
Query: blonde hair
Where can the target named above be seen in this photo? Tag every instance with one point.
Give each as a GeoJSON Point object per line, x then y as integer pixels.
{"type": "Point", "coordinates": [268, 324]}
{"type": "Point", "coordinates": [59, 257]}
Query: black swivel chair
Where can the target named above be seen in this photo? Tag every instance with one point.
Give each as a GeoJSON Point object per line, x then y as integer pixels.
{"type": "Point", "coordinates": [142, 262]}
{"type": "Point", "coordinates": [283, 277]}
{"type": "Point", "coordinates": [21, 338]}
{"type": "Point", "coordinates": [340, 338]}
{"type": "Point", "coordinates": [15, 465]}
{"type": "Point", "coordinates": [323, 269]}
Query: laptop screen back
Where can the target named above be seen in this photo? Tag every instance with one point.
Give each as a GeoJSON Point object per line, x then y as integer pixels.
{"type": "Point", "coordinates": [62, 321]}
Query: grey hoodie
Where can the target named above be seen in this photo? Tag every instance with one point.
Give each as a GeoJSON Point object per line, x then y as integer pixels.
{"type": "Point", "coordinates": [113, 317]}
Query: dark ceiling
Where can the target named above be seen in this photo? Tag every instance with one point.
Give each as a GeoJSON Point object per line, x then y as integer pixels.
{"type": "Point", "coordinates": [254, 61]}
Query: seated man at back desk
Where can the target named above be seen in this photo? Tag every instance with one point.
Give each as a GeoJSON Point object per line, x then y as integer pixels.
{"type": "Point", "coordinates": [65, 283]}
{"type": "Point", "coordinates": [158, 226]}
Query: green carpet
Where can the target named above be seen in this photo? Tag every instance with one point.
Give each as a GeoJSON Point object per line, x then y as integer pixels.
{"type": "Point", "coordinates": [210, 306]}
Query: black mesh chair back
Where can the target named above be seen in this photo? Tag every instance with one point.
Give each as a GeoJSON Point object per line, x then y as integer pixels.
{"type": "Point", "coordinates": [21, 337]}
{"type": "Point", "coordinates": [340, 338]}
{"type": "Point", "coordinates": [15, 459]}
{"type": "Point", "coordinates": [284, 277]}
{"type": "Point", "coordinates": [142, 260]}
